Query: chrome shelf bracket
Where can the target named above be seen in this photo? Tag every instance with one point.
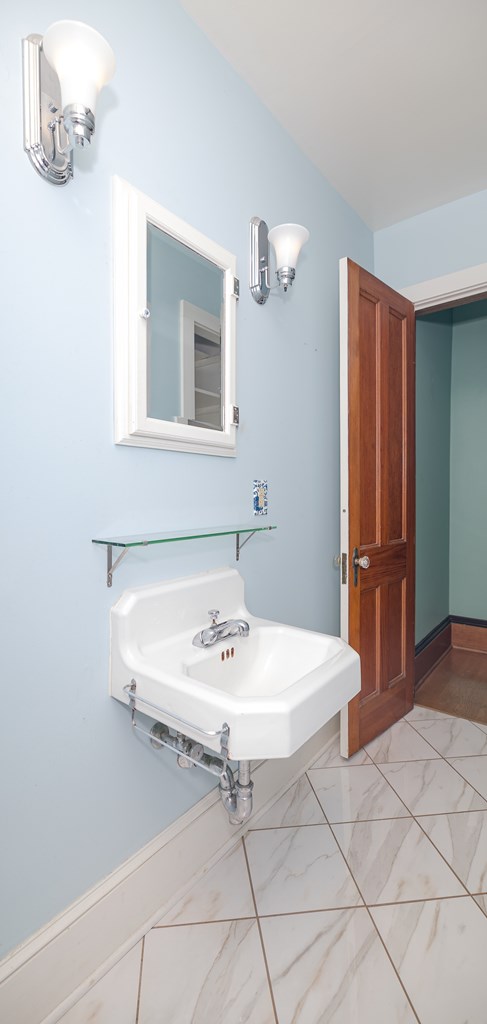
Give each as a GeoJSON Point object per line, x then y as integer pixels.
{"type": "Point", "coordinates": [241, 544]}
{"type": "Point", "coordinates": [112, 566]}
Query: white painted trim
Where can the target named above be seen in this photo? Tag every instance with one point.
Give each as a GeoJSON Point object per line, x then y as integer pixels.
{"type": "Point", "coordinates": [44, 977]}
{"type": "Point", "coordinates": [132, 211]}
{"type": "Point", "coordinates": [452, 288]}
{"type": "Point", "coordinates": [344, 510]}
{"type": "Point", "coordinates": [344, 491]}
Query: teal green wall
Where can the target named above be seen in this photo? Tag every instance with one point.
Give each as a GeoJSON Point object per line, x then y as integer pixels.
{"type": "Point", "coordinates": [433, 389]}
{"type": "Point", "coordinates": [451, 466]}
{"type": "Point", "coordinates": [468, 471]}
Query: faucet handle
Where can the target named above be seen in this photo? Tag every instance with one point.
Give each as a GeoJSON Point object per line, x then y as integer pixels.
{"type": "Point", "coordinates": [214, 613]}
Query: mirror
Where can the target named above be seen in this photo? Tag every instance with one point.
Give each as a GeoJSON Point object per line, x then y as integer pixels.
{"type": "Point", "coordinates": [175, 295]}
{"type": "Point", "coordinates": [184, 364]}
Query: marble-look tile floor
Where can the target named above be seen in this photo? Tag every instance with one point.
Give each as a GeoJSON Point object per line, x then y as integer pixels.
{"type": "Point", "coordinates": [359, 897]}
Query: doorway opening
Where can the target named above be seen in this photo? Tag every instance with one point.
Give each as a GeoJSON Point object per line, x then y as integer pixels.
{"type": "Point", "coordinates": [451, 510]}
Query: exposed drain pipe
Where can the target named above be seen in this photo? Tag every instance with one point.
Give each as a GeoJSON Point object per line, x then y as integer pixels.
{"type": "Point", "coordinates": [237, 796]}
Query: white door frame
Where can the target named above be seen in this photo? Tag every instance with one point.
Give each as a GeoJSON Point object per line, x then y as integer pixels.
{"type": "Point", "coordinates": [452, 289]}
{"type": "Point", "coordinates": [438, 293]}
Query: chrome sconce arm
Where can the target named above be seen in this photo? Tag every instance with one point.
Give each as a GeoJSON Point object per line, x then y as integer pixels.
{"type": "Point", "coordinates": [63, 71]}
{"type": "Point", "coordinates": [287, 240]}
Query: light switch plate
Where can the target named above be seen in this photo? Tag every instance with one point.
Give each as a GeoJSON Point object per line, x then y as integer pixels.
{"type": "Point", "coordinates": [260, 497]}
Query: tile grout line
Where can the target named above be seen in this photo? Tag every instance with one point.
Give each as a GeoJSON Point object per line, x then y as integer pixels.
{"type": "Point", "coordinates": [439, 814]}
{"type": "Point", "coordinates": [367, 764]}
{"type": "Point", "coordinates": [415, 818]}
{"type": "Point", "coordinates": [452, 869]}
{"type": "Point", "coordinates": [362, 906]}
{"type": "Point", "coordinates": [418, 733]}
{"type": "Point", "coordinates": [444, 716]}
{"type": "Point", "coordinates": [264, 954]}
{"type": "Point", "coordinates": [370, 915]}
{"type": "Point", "coordinates": [381, 940]}
{"type": "Point", "coordinates": [325, 767]}
{"type": "Point", "coordinates": [477, 791]}
{"type": "Point", "coordinates": [476, 724]}
{"type": "Point", "coordinates": [429, 744]}
{"type": "Point", "coordinates": [437, 752]}
{"type": "Point", "coordinates": [383, 777]}
{"type": "Point", "coordinates": [441, 757]}
{"type": "Point", "coordinates": [360, 821]}
{"type": "Point", "coordinates": [445, 759]}
{"type": "Point", "coordinates": [319, 824]}
{"type": "Point", "coordinates": [478, 904]}
{"type": "Point", "coordinates": [320, 909]}
{"type": "Point", "coordinates": [190, 924]}
{"type": "Point", "coordinates": [374, 924]}
{"type": "Point", "coordinates": [139, 989]}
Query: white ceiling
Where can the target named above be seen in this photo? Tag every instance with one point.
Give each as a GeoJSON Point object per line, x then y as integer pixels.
{"type": "Point", "coordinates": [387, 97]}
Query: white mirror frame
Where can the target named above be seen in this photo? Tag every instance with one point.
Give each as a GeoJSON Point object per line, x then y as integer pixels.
{"type": "Point", "coordinates": [132, 210]}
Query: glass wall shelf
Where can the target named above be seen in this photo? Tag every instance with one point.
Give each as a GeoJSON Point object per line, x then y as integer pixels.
{"type": "Point", "coordinates": [174, 535]}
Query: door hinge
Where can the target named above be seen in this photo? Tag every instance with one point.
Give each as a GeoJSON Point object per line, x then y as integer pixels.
{"type": "Point", "coordinates": [236, 287]}
{"type": "Point", "coordinates": [342, 561]}
{"type": "Point", "coordinates": [235, 415]}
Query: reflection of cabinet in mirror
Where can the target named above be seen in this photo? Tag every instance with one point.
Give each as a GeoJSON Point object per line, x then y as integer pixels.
{"type": "Point", "coordinates": [201, 368]}
{"type": "Point", "coordinates": [175, 294]}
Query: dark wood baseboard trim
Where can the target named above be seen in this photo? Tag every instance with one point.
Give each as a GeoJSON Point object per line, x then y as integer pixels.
{"type": "Point", "coordinates": [454, 631]}
{"type": "Point", "coordinates": [466, 621]}
{"type": "Point", "coordinates": [468, 637]}
{"type": "Point", "coordinates": [431, 650]}
{"type": "Point", "coordinates": [425, 642]}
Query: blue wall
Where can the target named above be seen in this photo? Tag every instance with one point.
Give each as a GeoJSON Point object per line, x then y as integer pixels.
{"type": "Point", "coordinates": [433, 400]}
{"type": "Point", "coordinates": [441, 241]}
{"type": "Point", "coordinates": [80, 793]}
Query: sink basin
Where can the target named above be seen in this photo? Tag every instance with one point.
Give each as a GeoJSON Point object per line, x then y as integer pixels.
{"type": "Point", "coordinates": [274, 688]}
{"type": "Point", "coordinates": [268, 661]}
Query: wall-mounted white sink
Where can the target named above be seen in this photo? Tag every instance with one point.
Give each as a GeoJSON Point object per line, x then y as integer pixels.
{"type": "Point", "coordinates": [274, 688]}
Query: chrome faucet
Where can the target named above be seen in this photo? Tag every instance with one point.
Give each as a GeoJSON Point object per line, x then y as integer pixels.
{"type": "Point", "coordinates": [220, 630]}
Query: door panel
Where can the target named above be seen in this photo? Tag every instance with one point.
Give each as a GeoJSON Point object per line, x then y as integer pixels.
{"type": "Point", "coordinates": [378, 500]}
{"type": "Point", "coordinates": [369, 653]}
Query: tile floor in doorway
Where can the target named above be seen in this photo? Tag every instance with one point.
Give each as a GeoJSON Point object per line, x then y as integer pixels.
{"type": "Point", "coordinates": [360, 897]}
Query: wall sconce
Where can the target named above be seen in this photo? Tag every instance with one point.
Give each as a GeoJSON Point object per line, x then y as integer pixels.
{"type": "Point", "coordinates": [287, 240]}
{"type": "Point", "coordinates": [63, 72]}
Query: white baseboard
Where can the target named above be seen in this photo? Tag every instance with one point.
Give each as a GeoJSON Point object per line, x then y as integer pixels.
{"type": "Point", "coordinates": [45, 976]}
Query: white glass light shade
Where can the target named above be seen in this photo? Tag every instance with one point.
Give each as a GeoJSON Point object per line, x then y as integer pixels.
{"type": "Point", "coordinates": [288, 240]}
{"type": "Point", "coordinates": [82, 59]}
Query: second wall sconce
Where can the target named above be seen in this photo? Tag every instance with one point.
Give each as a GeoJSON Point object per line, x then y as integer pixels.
{"type": "Point", "coordinates": [63, 72]}
{"type": "Point", "coordinates": [287, 240]}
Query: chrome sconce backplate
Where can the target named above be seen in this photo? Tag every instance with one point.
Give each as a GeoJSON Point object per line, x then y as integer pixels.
{"type": "Point", "coordinates": [259, 260]}
{"type": "Point", "coordinates": [45, 140]}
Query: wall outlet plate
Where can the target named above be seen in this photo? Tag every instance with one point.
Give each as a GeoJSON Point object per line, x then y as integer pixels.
{"type": "Point", "coordinates": [259, 492]}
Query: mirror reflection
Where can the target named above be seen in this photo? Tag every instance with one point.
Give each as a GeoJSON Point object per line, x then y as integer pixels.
{"type": "Point", "coordinates": [184, 340]}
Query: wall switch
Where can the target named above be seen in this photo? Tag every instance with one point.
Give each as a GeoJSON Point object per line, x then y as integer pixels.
{"type": "Point", "coordinates": [259, 492]}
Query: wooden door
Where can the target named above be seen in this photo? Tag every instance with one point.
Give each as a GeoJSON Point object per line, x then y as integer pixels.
{"type": "Point", "coordinates": [378, 499]}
